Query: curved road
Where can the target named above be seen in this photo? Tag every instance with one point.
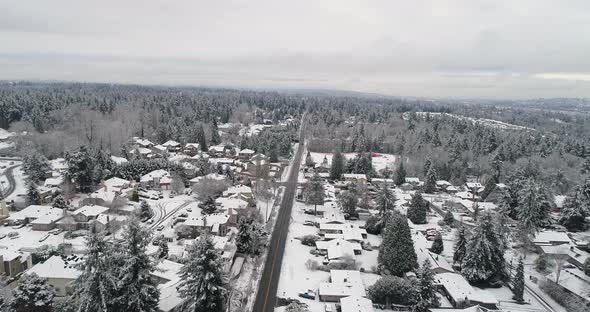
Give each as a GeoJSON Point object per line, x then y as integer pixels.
{"type": "Point", "coordinates": [267, 289]}
{"type": "Point", "coordinates": [11, 183]}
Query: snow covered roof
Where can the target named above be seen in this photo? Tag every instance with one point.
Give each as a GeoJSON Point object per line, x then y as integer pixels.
{"type": "Point", "coordinates": [141, 150]}
{"type": "Point", "coordinates": [238, 189]}
{"type": "Point", "coordinates": [356, 304]}
{"type": "Point", "coordinates": [171, 143]}
{"type": "Point", "coordinates": [437, 262]}
{"type": "Point", "coordinates": [34, 212]}
{"type": "Point", "coordinates": [49, 218]}
{"type": "Point", "coordinates": [575, 281]}
{"type": "Point", "coordinates": [51, 182]}
{"type": "Point", "coordinates": [58, 164]}
{"type": "Point", "coordinates": [167, 270]}
{"type": "Point", "coordinates": [338, 248]}
{"type": "Point", "coordinates": [192, 145]}
{"type": "Point", "coordinates": [116, 182]}
{"type": "Point", "coordinates": [10, 255]}
{"type": "Point", "coordinates": [381, 180]}
{"type": "Point", "coordinates": [412, 180]}
{"type": "Point", "coordinates": [343, 283]}
{"type": "Point", "coordinates": [247, 151]}
{"type": "Point", "coordinates": [217, 148]}
{"type": "Point", "coordinates": [91, 211]}
{"type": "Point", "coordinates": [142, 142]}
{"type": "Point", "coordinates": [209, 220]}
{"type": "Point", "coordinates": [459, 289]}
{"type": "Point", "coordinates": [486, 206]}
{"type": "Point", "coordinates": [119, 160]}
{"type": "Point", "coordinates": [154, 174]}
{"type": "Point", "coordinates": [551, 237]}
{"type": "Point", "coordinates": [354, 176]}
{"type": "Point", "coordinates": [473, 185]}
{"type": "Point", "coordinates": [56, 267]}
{"type": "Point", "coordinates": [443, 183]}
{"type": "Point", "coordinates": [231, 203]}
{"type": "Point", "coordinates": [108, 195]}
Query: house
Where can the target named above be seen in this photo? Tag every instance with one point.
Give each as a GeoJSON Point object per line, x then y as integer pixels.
{"type": "Point", "coordinates": [32, 213]}
{"type": "Point", "coordinates": [257, 166]}
{"type": "Point", "coordinates": [56, 182]}
{"type": "Point", "coordinates": [14, 262]}
{"type": "Point", "coordinates": [574, 282]}
{"type": "Point", "coordinates": [246, 154]}
{"type": "Point", "coordinates": [215, 224]}
{"type": "Point", "coordinates": [211, 176]}
{"type": "Point", "coordinates": [217, 150]}
{"type": "Point", "coordinates": [338, 249]}
{"type": "Point", "coordinates": [153, 179]}
{"type": "Point", "coordinates": [343, 283]}
{"type": "Point", "coordinates": [172, 146]}
{"type": "Point", "coordinates": [60, 272]}
{"type": "Point", "coordinates": [47, 222]}
{"type": "Point", "coordinates": [192, 149]}
{"type": "Point", "coordinates": [412, 181]}
{"type": "Point", "coordinates": [438, 264]}
{"type": "Point", "coordinates": [241, 191]}
{"type": "Point", "coordinates": [189, 169]}
{"type": "Point", "coordinates": [347, 232]}
{"type": "Point", "coordinates": [573, 254]}
{"type": "Point", "coordinates": [119, 160]}
{"type": "Point", "coordinates": [546, 238]}
{"type": "Point", "coordinates": [459, 292]}
{"type": "Point", "coordinates": [141, 152]}
{"type": "Point", "coordinates": [142, 142]}
{"type": "Point", "coordinates": [355, 177]}
{"type": "Point", "coordinates": [356, 304]}
{"type": "Point", "coordinates": [380, 181]}
{"type": "Point", "coordinates": [88, 213]}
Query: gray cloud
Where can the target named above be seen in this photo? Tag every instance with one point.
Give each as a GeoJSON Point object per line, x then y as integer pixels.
{"type": "Point", "coordinates": [528, 48]}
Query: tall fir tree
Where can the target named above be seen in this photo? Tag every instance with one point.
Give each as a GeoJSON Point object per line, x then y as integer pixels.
{"type": "Point", "coordinates": [138, 291]}
{"type": "Point", "coordinates": [518, 282]}
{"type": "Point", "coordinates": [427, 294]}
{"type": "Point", "coordinates": [201, 277]}
{"type": "Point", "coordinates": [33, 196]}
{"type": "Point", "coordinates": [484, 257]}
{"type": "Point", "coordinates": [438, 244]}
{"type": "Point", "coordinates": [430, 183]}
{"type": "Point", "coordinates": [574, 211]}
{"type": "Point", "coordinates": [534, 207]}
{"type": "Point", "coordinates": [385, 199]}
{"type": "Point", "coordinates": [400, 174]}
{"type": "Point", "coordinates": [337, 167]}
{"type": "Point", "coordinates": [427, 165]}
{"type": "Point", "coordinates": [314, 192]}
{"type": "Point", "coordinates": [35, 166]}
{"type": "Point", "coordinates": [460, 247]}
{"type": "Point", "coordinates": [418, 209]}
{"type": "Point", "coordinates": [215, 138]}
{"type": "Point", "coordinates": [396, 253]}
{"type": "Point", "coordinates": [309, 160]}
{"type": "Point", "coordinates": [201, 138]}
{"type": "Point", "coordinates": [80, 169]}
{"type": "Point", "coordinates": [59, 202]}
{"type": "Point", "coordinates": [32, 294]}
{"type": "Point", "coordinates": [348, 201]}
{"type": "Point", "coordinates": [96, 286]}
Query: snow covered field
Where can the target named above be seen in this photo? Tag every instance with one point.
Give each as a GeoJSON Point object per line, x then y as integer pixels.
{"type": "Point", "coordinates": [380, 161]}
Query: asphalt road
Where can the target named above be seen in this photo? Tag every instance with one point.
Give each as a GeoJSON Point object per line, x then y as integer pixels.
{"type": "Point", "coordinates": [267, 291]}
{"type": "Point", "coordinates": [11, 183]}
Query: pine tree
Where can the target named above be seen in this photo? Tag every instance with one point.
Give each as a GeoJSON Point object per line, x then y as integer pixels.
{"type": "Point", "coordinates": [201, 278]}
{"type": "Point", "coordinates": [35, 166]}
{"type": "Point", "coordinates": [385, 199]}
{"type": "Point", "coordinates": [337, 167]}
{"type": "Point", "coordinates": [400, 174]}
{"type": "Point", "coordinates": [138, 292]}
{"type": "Point", "coordinates": [215, 138]}
{"type": "Point", "coordinates": [96, 286]}
{"type": "Point", "coordinates": [460, 247]}
{"type": "Point", "coordinates": [80, 169]}
{"type": "Point", "coordinates": [314, 192]}
{"type": "Point", "coordinates": [33, 196]}
{"type": "Point", "coordinates": [427, 165]}
{"type": "Point", "coordinates": [574, 211]}
{"type": "Point", "coordinates": [430, 184]}
{"type": "Point", "coordinates": [418, 209]}
{"type": "Point", "coordinates": [309, 160]}
{"type": "Point", "coordinates": [145, 212]}
{"type": "Point", "coordinates": [533, 207]}
{"type": "Point", "coordinates": [396, 253]}
{"type": "Point", "coordinates": [449, 218]}
{"type": "Point", "coordinates": [348, 201]}
{"type": "Point", "coordinates": [32, 294]}
{"type": "Point", "coordinates": [438, 245]}
{"type": "Point", "coordinates": [251, 236]}
{"type": "Point", "coordinates": [208, 206]}
{"type": "Point", "coordinates": [518, 282]}
{"type": "Point", "coordinates": [427, 294]}
{"type": "Point", "coordinates": [59, 202]}
{"type": "Point", "coordinates": [163, 249]}
{"type": "Point", "coordinates": [484, 257]}
{"type": "Point", "coordinates": [392, 289]}
{"type": "Point", "coordinates": [201, 139]}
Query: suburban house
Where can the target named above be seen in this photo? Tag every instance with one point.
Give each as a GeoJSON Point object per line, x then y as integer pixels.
{"type": "Point", "coordinates": [245, 154]}
{"type": "Point", "coordinates": [31, 213]}
{"type": "Point", "coordinates": [343, 283]}
{"type": "Point", "coordinates": [156, 179]}
{"type": "Point", "coordinates": [60, 272]}
{"type": "Point", "coordinates": [192, 149]}
{"type": "Point", "coordinates": [547, 238]}
{"type": "Point", "coordinates": [172, 146]}
{"type": "Point", "coordinates": [438, 264]}
{"type": "Point", "coordinates": [14, 262]}
{"type": "Point", "coordinates": [338, 249]}
{"type": "Point", "coordinates": [240, 191]}
{"type": "Point", "coordinates": [356, 304]}
{"type": "Point", "coordinates": [573, 281]}
{"type": "Point", "coordinates": [215, 224]}
{"type": "Point", "coordinates": [86, 214]}
{"type": "Point", "coordinates": [355, 177]}
{"type": "Point", "coordinates": [347, 232]}
{"type": "Point", "coordinates": [460, 293]}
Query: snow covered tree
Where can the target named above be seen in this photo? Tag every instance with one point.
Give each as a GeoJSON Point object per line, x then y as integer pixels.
{"type": "Point", "coordinates": [80, 169]}
{"type": "Point", "coordinates": [400, 174]}
{"type": "Point", "coordinates": [337, 167]}
{"type": "Point", "coordinates": [138, 292]}
{"type": "Point", "coordinates": [32, 294]}
{"type": "Point", "coordinates": [297, 307]}
{"type": "Point", "coordinates": [209, 206]}
{"type": "Point", "coordinates": [427, 297]}
{"type": "Point", "coordinates": [393, 290]}
{"type": "Point", "coordinates": [438, 245]}
{"type": "Point", "coordinates": [251, 236]}
{"type": "Point", "coordinates": [348, 201]}
{"type": "Point", "coordinates": [33, 196]}
{"type": "Point", "coordinates": [484, 257]}
{"type": "Point", "coordinates": [201, 138]}
{"type": "Point", "coordinates": [59, 202]}
{"type": "Point", "coordinates": [533, 207]}
{"type": "Point", "coordinates": [418, 209]}
{"type": "Point", "coordinates": [215, 138]}
{"type": "Point", "coordinates": [96, 286]}
{"type": "Point", "coordinates": [309, 160]}
{"type": "Point", "coordinates": [314, 192]}
{"type": "Point", "coordinates": [518, 282]}
{"type": "Point", "coordinates": [587, 266]}
{"type": "Point", "coordinates": [201, 277]}
{"type": "Point", "coordinates": [145, 212]}
{"type": "Point", "coordinates": [449, 218]}
{"type": "Point", "coordinates": [396, 253]}
{"type": "Point", "coordinates": [427, 166]}
{"type": "Point", "coordinates": [385, 199]}
{"type": "Point", "coordinates": [35, 166]}
{"type": "Point", "coordinates": [430, 183]}
{"type": "Point", "coordinates": [574, 211]}
{"type": "Point", "coordinates": [460, 246]}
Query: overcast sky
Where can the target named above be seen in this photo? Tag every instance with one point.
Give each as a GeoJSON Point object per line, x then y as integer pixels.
{"type": "Point", "coordinates": [471, 48]}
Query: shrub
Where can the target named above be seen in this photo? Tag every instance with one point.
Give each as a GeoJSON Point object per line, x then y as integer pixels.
{"type": "Point", "coordinates": [309, 240]}
{"type": "Point", "coordinates": [541, 263]}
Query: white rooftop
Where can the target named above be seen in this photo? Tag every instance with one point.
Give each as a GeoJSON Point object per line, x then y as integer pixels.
{"type": "Point", "coordinates": [56, 267]}
{"type": "Point", "coordinates": [91, 211]}
{"type": "Point", "coordinates": [154, 174]}
{"type": "Point", "coordinates": [356, 304]}
{"type": "Point", "coordinates": [34, 212]}
{"type": "Point", "coordinates": [459, 289]}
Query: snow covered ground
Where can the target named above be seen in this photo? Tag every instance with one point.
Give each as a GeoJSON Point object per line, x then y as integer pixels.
{"type": "Point", "coordinates": [20, 188]}
{"type": "Point", "coordinates": [380, 161]}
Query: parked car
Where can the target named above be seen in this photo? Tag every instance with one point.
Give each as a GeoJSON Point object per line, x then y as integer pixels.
{"type": "Point", "coordinates": [44, 237]}
{"type": "Point", "coordinates": [13, 235]}
{"type": "Point", "coordinates": [309, 223]}
{"type": "Point", "coordinates": [18, 226]}
{"type": "Point", "coordinates": [309, 294]}
{"type": "Point", "coordinates": [160, 227]}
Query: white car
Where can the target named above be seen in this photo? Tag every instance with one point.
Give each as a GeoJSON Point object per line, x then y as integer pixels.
{"type": "Point", "coordinates": [160, 227]}
{"type": "Point", "coordinates": [44, 237]}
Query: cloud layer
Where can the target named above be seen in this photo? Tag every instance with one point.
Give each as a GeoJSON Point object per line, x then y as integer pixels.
{"type": "Point", "coordinates": [499, 49]}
